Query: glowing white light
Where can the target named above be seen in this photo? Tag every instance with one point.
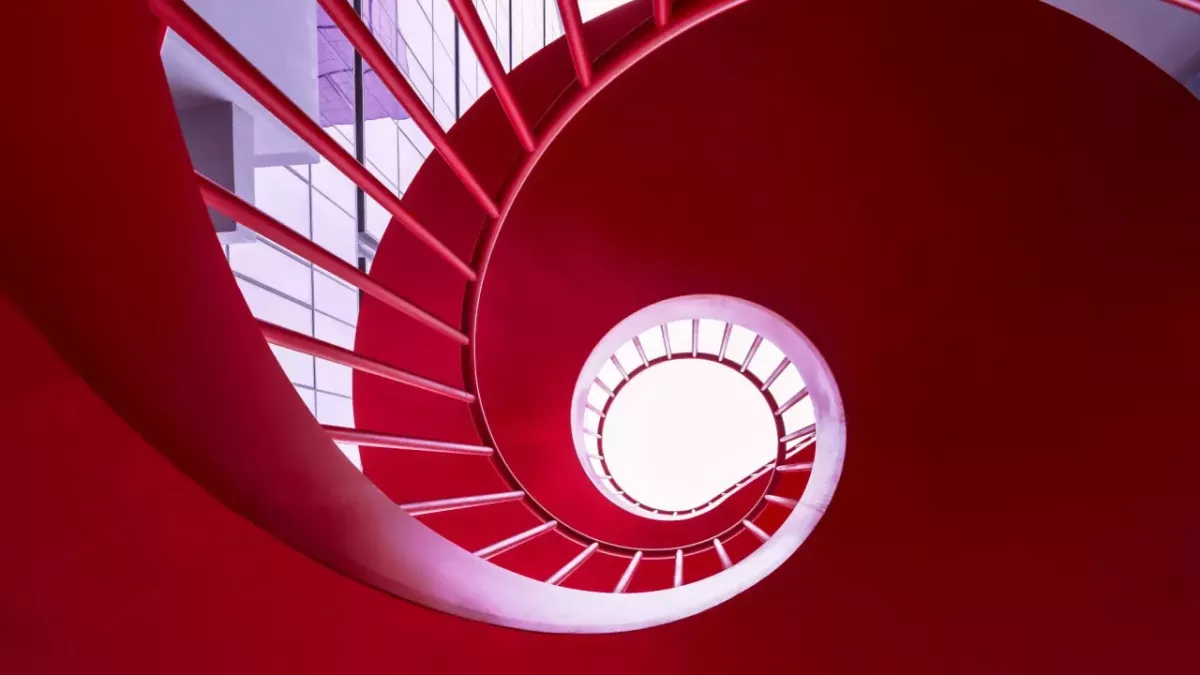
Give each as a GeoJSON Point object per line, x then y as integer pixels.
{"type": "Point", "coordinates": [682, 431]}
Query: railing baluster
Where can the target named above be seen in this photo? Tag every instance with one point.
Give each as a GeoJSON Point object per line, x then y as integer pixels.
{"type": "Point", "coordinates": [800, 396]}
{"type": "Point", "coordinates": [753, 350]}
{"type": "Point", "coordinates": [243, 212]}
{"type": "Point", "coordinates": [781, 501]}
{"type": "Point", "coordinates": [488, 552]}
{"type": "Point", "coordinates": [468, 18]}
{"type": "Point", "coordinates": [662, 12]}
{"type": "Point", "coordinates": [603, 387]}
{"type": "Point", "coordinates": [802, 431]}
{"type": "Point", "coordinates": [666, 340]}
{"type": "Point", "coordinates": [726, 563]}
{"type": "Point", "coordinates": [314, 347]}
{"type": "Point", "coordinates": [456, 503]}
{"type": "Point", "coordinates": [792, 468]}
{"type": "Point", "coordinates": [573, 28]}
{"type": "Point", "coordinates": [775, 374]}
{"type": "Point", "coordinates": [637, 344]}
{"type": "Point", "coordinates": [627, 575]}
{"type": "Point", "coordinates": [594, 409]}
{"type": "Point", "coordinates": [566, 570]}
{"type": "Point", "coordinates": [756, 531]}
{"type": "Point", "coordinates": [620, 368]}
{"type": "Point", "coordinates": [725, 341]}
{"type": "Point", "coordinates": [360, 36]}
{"type": "Point", "coordinates": [203, 38]}
{"type": "Point", "coordinates": [695, 337]}
{"type": "Point", "coordinates": [800, 448]}
{"type": "Point", "coordinates": [382, 440]}
{"type": "Point", "coordinates": [678, 567]}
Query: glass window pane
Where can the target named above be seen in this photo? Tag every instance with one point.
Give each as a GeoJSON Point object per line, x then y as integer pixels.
{"type": "Point", "coordinates": [333, 377]}
{"type": "Point", "coordinates": [334, 229]}
{"type": "Point", "coordinates": [380, 136]}
{"type": "Point", "coordinates": [334, 409]}
{"type": "Point", "coordinates": [283, 195]}
{"type": "Point", "coordinates": [378, 218]}
{"type": "Point", "coordinates": [333, 331]}
{"type": "Point", "coordinates": [351, 452]}
{"type": "Point", "coordinates": [334, 185]}
{"type": "Point", "coordinates": [276, 309]}
{"type": "Point", "coordinates": [309, 397]}
{"type": "Point", "coordinates": [443, 24]}
{"type": "Point", "coordinates": [443, 72]}
{"type": "Point", "coordinates": [335, 298]}
{"type": "Point", "coordinates": [298, 367]}
{"type": "Point", "coordinates": [410, 162]}
{"type": "Point", "coordinates": [263, 262]}
{"type": "Point", "coordinates": [416, 28]}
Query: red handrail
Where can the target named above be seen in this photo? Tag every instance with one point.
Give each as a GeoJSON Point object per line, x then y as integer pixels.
{"type": "Point", "coordinates": [241, 211]}
{"type": "Point", "coordinates": [468, 18]}
{"type": "Point", "coordinates": [382, 440]}
{"type": "Point", "coordinates": [300, 342]}
{"type": "Point", "coordinates": [201, 36]}
{"type": "Point", "coordinates": [360, 36]}
{"type": "Point", "coordinates": [457, 503]}
{"type": "Point", "coordinates": [662, 12]}
{"type": "Point", "coordinates": [573, 27]}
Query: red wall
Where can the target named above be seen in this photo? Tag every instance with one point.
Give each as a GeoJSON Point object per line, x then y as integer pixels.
{"type": "Point", "coordinates": [993, 216]}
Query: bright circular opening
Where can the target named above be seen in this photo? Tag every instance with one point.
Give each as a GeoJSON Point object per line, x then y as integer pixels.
{"type": "Point", "coordinates": [682, 431]}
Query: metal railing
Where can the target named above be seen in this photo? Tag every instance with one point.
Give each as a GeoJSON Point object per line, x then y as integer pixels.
{"type": "Point", "coordinates": [179, 17]}
{"type": "Point", "coordinates": [593, 426]}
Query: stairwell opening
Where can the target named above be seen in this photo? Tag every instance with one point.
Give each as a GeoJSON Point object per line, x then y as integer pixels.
{"type": "Point", "coordinates": [688, 401]}
{"type": "Point", "coordinates": [683, 431]}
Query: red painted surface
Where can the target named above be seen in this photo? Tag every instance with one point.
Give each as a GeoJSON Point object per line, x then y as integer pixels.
{"type": "Point", "coordinates": [996, 207]}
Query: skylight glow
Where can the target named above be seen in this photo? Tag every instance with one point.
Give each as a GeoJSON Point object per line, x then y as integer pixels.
{"type": "Point", "coordinates": [669, 436]}
{"type": "Point", "coordinates": [682, 431]}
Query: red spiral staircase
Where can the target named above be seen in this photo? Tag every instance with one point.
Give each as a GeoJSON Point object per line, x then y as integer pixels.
{"type": "Point", "coordinates": [984, 216]}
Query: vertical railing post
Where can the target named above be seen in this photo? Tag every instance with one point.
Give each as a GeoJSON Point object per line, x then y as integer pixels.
{"type": "Point", "coordinates": [574, 564]}
{"type": "Point", "coordinates": [472, 26]}
{"type": "Point", "coordinates": [726, 563]}
{"type": "Point", "coordinates": [627, 575]}
{"type": "Point", "coordinates": [573, 28]}
{"type": "Point", "coordinates": [756, 531]}
{"type": "Point", "coordinates": [488, 552]}
{"type": "Point", "coordinates": [662, 12]}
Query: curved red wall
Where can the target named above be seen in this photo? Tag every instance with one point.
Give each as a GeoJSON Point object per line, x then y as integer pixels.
{"type": "Point", "coordinates": [999, 213]}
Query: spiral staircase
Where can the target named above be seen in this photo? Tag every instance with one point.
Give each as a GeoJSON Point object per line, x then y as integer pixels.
{"type": "Point", "coordinates": [972, 270]}
{"type": "Point", "coordinates": [438, 364]}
